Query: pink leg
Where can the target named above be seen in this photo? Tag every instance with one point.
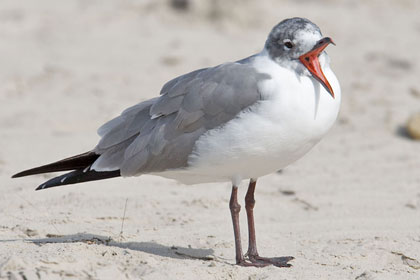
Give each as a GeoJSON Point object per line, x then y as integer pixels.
{"type": "Point", "coordinates": [252, 253]}
{"type": "Point", "coordinates": [235, 208]}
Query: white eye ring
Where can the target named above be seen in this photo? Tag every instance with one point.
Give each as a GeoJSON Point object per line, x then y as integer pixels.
{"type": "Point", "coordinates": [287, 44]}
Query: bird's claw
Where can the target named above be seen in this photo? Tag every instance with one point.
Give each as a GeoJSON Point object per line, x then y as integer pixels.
{"type": "Point", "coordinates": [249, 263]}
{"type": "Point", "coordinates": [257, 261]}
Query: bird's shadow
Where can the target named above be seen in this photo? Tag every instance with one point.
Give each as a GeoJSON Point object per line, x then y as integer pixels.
{"type": "Point", "coordinates": [175, 252]}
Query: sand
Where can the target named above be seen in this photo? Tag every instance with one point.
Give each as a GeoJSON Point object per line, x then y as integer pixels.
{"type": "Point", "coordinates": [350, 209]}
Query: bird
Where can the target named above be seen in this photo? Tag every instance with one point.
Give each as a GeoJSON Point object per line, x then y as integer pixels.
{"type": "Point", "coordinates": [228, 123]}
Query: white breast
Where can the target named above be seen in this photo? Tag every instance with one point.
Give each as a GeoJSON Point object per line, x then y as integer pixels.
{"type": "Point", "coordinates": [294, 114]}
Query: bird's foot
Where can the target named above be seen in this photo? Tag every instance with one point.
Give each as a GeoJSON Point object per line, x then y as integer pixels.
{"type": "Point", "coordinates": [249, 263]}
{"type": "Point", "coordinates": [277, 261]}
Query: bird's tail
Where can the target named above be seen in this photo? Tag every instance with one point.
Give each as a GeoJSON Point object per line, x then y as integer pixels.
{"type": "Point", "coordinates": [80, 165]}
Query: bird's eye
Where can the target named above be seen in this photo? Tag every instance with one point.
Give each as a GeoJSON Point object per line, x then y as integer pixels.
{"type": "Point", "coordinates": [288, 44]}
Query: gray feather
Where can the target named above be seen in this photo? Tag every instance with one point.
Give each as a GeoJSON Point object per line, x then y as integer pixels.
{"type": "Point", "coordinates": [125, 126]}
{"type": "Point", "coordinates": [160, 133]}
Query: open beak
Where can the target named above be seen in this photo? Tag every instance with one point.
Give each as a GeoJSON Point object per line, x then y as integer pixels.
{"type": "Point", "coordinates": [311, 62]}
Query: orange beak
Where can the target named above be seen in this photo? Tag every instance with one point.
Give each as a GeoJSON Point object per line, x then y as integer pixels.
{"type": "Point", "coordinates": [311, 62]}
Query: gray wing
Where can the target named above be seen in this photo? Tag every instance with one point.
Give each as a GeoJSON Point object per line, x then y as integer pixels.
{"type": "Point", "coordinates": [160, 133]}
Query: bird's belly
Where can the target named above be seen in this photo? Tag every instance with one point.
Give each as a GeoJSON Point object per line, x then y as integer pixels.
{"type": "Point", "coordinates": [258, 142]}
{"type": "Point", "coordinates": [248, 151]}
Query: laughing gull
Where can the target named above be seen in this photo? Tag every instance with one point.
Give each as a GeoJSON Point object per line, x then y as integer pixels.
{"type": "Point", "coordinates": [239, 120]}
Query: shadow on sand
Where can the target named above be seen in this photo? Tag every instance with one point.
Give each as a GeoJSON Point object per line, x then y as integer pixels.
{"type": "Point", "coordinates": [175, 252]}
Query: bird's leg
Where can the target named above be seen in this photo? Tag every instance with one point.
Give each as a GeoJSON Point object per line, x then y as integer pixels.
{"type": "Point", "coordinates": [252, 252]}
{"type": "Point", "coordinates": [249, 206]}
{"type": "Point", "coordinates": [235, 208]}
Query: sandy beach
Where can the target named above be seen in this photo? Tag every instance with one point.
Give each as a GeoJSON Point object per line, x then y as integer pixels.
{"type": "Point", "coordinates": [350, 209]}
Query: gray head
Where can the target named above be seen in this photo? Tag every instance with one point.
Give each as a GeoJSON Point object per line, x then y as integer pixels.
{"type": "Point", "coordinates": [291, 38]}
{"type": "Point", "coordinates": [297, 43]}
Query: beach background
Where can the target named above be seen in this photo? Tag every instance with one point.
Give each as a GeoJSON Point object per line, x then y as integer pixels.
{"type": "Point", "coordinates": [350, 209]}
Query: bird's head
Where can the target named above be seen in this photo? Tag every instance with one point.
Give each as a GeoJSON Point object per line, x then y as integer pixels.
{"type": "Point", "coordinates": [297, 43]}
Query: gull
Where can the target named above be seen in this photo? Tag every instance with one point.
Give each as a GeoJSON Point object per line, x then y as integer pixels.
{"type": "Point", "coordinates": [235, 121]}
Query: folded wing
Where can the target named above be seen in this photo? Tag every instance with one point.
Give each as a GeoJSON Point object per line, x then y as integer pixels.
{"type": "Point", "coordinates": [159, 134]}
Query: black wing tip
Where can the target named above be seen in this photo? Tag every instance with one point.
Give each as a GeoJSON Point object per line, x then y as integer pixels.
{"type": "Point", "coordinates": [21, 174]}
{"type": "Point", "coordinates": [78, 176]}
{"type": "Point", "coordinates": [41, 187]}
{"type": "Point", "coordinates": [44, 186]}
{"type": "Point", "coordinates": [80, 161]}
